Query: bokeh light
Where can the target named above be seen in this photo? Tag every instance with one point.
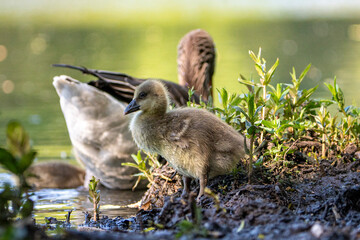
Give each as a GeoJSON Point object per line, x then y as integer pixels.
{"type": "Point", "coordinates": [354, 32]}
{"type": "Point", "coordinates": [38, 45]}
{"type": "Point", "coordinates": [8, 86]}
{"type": "Point", "coordinates": [289, 47]}
{"type": "Point", "coordinates": [3, 53]}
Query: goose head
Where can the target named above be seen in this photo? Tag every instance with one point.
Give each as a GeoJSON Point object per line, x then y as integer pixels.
{"type": "Point", "coordinates": [150, 97]}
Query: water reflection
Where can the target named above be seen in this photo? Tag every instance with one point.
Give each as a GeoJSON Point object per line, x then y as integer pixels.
{"type": "Point", "coordinates": [57, 202]}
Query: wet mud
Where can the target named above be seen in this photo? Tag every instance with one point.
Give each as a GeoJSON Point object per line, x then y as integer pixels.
{"type": "Point", "coordinates": [312, 200]}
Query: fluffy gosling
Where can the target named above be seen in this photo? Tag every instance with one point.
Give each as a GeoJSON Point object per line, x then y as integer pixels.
{"type": "Point", "coordinates": [55, 174]}
{"type": "Point", "coordinates": [194, 141]}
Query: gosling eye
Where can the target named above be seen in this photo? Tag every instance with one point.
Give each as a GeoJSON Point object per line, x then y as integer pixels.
{"type": "Point", "coordinates": [142, 95]}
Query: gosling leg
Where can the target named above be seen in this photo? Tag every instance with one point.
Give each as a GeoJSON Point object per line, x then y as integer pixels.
{"type": "Point", "coordinates": [173, 175]}
{"type": "Point", "coordinates": [203, 181]}
{"type": "Point", "coordinates": [186, 190]}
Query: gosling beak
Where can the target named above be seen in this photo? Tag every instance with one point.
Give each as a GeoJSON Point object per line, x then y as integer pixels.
{"type": "Point", "coordinates": [132, 107]}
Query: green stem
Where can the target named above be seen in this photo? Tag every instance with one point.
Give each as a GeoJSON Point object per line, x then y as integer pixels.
{"type": "Point", "coordinates": [250, 159]}
{"type": "Point", "coordinates": [263, 111]}
{"type": "Point", "coordinates": [95, 209]}
{"type": "Point", "coordinates": [323, 145]}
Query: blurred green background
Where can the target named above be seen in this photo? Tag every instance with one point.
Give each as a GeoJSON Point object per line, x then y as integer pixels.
{"type": "Point", "coordinates": [140, 38]}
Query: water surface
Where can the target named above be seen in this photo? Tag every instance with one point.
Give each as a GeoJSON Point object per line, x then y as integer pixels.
{"type": "Point", "coordinates": [149, 50]}
{"type": "Point", "coordinates": [57, 202]}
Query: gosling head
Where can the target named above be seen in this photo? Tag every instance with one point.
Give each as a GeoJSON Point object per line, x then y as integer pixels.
{"type": "Point", "coordinates": [150, 97]}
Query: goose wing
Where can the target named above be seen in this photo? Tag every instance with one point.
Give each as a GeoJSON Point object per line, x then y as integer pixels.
{"type": "Point", "coordinates": [122, 86]}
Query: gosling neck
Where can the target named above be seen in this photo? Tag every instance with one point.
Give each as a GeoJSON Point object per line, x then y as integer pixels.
{"type": "Point", "coordinates": [157, 111]}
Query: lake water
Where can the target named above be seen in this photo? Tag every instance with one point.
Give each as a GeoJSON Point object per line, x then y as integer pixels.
{"type": "Point", "coordinates": [146, 47]}
{"type": "Point", "coordinates": [57, 202]}
{"type": "Point", "coordinates": [149, 50]}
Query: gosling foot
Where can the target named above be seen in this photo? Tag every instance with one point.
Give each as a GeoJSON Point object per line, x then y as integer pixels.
{"type": "Point", "coordinates": [173, 175]}
{"type": "Point", "coordinates": [186, 189]}
{"type": "Point", "coordinates": [203, 181]}
{"type": "Point", "coordinates": [184, 194]}
{"type": "Point", "coordinates": [198, 199]}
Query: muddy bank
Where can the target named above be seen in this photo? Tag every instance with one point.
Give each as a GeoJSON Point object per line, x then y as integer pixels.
{"type": "Point", "coordinates": [321, 202]}
{"type": "Point", "coordinates": [309, 199]}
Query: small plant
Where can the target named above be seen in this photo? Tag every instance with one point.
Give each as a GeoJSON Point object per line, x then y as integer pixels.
{"type": "Point", "coordinates": [17, 158]}
{"type": "Point", "coordinates": [265, 79]}
{"type": "Point", "coordinates": [322, 120]}
{"type": "Point", "coordinates": [349, 125]}
{"type": "Point", "coordinates": [94, 197]}
{"type": "Point", "coordinates": [228, 113]}
{"type": "Point", "coordinates": [297, 97]}
{"type": "Point", "coordinates": [252, 121]}
{"type": "Point", "coordinates": [337, 96]}
{"type": "Point", "coordinates": [143, 166]}
{"type": "Point", "coordinates": [277, 100]}
{"type": "Point", "coordinates": [193, 227]}
{"type": "Point", "coordinates": [215, 198]}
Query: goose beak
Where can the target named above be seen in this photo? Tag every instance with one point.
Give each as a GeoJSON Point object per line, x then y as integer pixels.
{"type": "Point", "coordinates": [132, 107]}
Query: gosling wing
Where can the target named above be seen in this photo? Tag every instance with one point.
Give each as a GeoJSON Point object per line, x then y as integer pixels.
{"type": "Point", "coordinates": [177, 134]}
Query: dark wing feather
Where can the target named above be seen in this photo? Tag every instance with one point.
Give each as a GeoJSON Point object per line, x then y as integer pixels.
{"type": "Point", "coordinates": [122, 86]}
{"type": "Point", "coordinates": [196, 62]}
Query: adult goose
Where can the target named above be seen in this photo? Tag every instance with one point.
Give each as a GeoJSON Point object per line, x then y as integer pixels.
{"type": "Point", "coordinates": [195, 61]}
{"type": "Point", "coordinates": [93, 112]}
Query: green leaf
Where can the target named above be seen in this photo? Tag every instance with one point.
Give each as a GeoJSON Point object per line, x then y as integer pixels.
{"type": "Point", "coordinates": [269, 124]}
{"type": "Point", "coordinates": [253, 56]}
{"type": "Point", "coordinates": [136, 157]}
{"type": "Point", "coordinates": [243, 112]}
{"type": "Point", "coordinates": [17, 139]}
{"type": "Point", "coordinates": [224, 97]}
{"type": "Point", "coordinates": [26, 160]}
{"type": "Point", "coordinates": [251, 130]}
{"type": "Point", "coordinates": [331, 89]}
{"type": "Point", "coordinates": [26, 208]}
{"type": "Point", "coordinates": [257, 112]}
{"type": "Point", "coordinates": [251, 105]}
{"type": "Point", "coordinates": [306, 95]}
{"type": "Point", "coordinates": [249, 83]}
{"type": "Point", "coordinates": [130, 164]}
{"type": "Point", "coordinates": [140, 174]}
{"type": "Point", "coordinates": [186, 225]}
{"type": "Point", "coordinates": [269, 130]}
{"type": "Point", "coordinates": [302, 75]}
{"type": "Point", "coordinates": [293, 77]}
{"type": "Point", "coordinates": [270, 73]}
{"type": "Point", "coordinates": [8, 161]}
{"type": "Point", "coordinates": [236, 101]}
{"type": "Point", "coordinates": [259, 70]}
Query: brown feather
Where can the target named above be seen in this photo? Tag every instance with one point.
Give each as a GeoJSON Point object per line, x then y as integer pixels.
{"type": "Point", "coordinates": [194, 141]}
{"type": "Point", "coordinates": [196, 62]}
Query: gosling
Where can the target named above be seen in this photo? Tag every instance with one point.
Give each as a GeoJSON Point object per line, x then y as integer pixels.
{"type": "Point", "coordinates": [194, 141]}
{"type": "Point", "coordinates": [55, 174]}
